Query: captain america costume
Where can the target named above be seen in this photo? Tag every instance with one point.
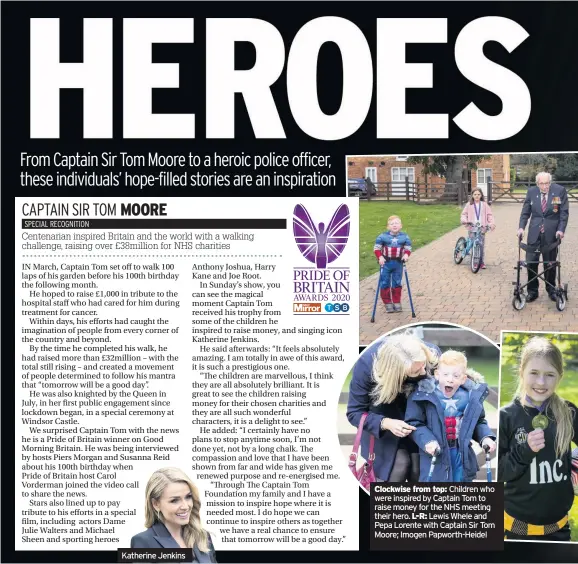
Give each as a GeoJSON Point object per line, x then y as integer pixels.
{"type": "Point", "coordinates": [392, 247]}
{"type": "Point", "coordinates": [454, 409]}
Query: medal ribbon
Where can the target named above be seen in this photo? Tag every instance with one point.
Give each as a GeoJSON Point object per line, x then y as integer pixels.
{"type": "Point", "coordinates": [478, 210]}
{"type": "Point", "coordinates": [540, 408]}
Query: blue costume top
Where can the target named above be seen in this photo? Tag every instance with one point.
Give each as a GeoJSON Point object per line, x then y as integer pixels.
{"type": "Point", "coordinates": [454, 408]}
{"type": "Point", "coordinates": [392, 246]}
{"type": "Point", "coordinates": [456, 405]}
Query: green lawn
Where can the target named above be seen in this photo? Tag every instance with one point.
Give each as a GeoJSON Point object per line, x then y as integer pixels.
{"type": "Point", "coordinates": [423, 224]}
{"type": "Point", "coordinates": [488, 368]}
{"type": "Point", "coordinates": [568, 388]}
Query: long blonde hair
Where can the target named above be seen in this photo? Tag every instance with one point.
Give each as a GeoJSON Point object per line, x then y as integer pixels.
{"type": "Point", "coordinates": [193, 532]}
{"type": "Point", "coordinates": [561, 412]}
{"type": "Point", "coordinates": [392, 363]}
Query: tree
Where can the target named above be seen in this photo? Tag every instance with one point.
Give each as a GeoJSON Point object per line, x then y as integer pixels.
{"type": "Point", "coordinates": [449, 167]}
{"type": "Point", "coordinates": [528, 166]}
{"type": "Point", "coordinates": [567, 167]}
{"type": "Point", "coordinates": [538, 161]}
{"type": "Point", "coordinates": [512, 344]}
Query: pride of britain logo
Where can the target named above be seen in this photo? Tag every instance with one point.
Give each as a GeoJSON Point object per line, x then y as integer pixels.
{"type": "Point", "coordinates": [321, 288]}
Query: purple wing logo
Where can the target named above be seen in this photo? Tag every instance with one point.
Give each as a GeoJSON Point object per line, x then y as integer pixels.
{"type": "Point", "coordinates": [319, 245]}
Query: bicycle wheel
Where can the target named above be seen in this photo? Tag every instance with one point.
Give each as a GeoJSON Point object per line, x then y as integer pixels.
{"type": "Point", "coordinates": [476, 261]}
{"type": "Point", "coordinates": [459, 250]}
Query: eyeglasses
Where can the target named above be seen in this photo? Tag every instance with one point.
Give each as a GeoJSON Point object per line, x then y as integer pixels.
{"type": "Point", "coordinates": [543, 183]}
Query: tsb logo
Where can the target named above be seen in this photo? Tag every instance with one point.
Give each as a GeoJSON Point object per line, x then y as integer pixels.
{"type": "Point", "coordinates": [337, 308]}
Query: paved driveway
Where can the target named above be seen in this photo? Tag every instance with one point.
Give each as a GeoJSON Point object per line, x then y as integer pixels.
{"type": "Point", "coordinates": [443, 291]}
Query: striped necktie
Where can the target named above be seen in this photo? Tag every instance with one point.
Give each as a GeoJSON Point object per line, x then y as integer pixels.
{"type": "Point", "coordinates": [544, 206]}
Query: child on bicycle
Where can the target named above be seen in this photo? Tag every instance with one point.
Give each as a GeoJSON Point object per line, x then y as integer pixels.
{"type": "Point", "coordinates": [534, 459]}
{"type": "Point", "coordinates": [477, 211]}
{"type": "Point", "coordinates": [458, 393]}
{"type": "Point", "coordinates": [392, 248]}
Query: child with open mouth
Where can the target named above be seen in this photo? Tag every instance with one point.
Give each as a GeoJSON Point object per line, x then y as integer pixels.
{"type": "Point", "coordinates": [454, 389]}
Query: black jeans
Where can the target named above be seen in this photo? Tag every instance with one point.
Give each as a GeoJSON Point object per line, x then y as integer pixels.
{"type": "Point", "coordinates": [562, 535]}
{"type": "Point", "coordinates": [550, 274]}
{"type": "Point", "coordinates": [406, 463]}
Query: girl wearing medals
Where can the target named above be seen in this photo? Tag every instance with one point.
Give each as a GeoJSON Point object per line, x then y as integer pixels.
{"type": "Point", "coordinates": [477, 212]}
{"type": "Point", "coordinates": [535, 442]}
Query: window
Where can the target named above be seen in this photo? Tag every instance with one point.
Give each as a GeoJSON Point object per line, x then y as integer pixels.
{"type": "Point", "coordinates": [401, 158]}
{"type": "Point", "coordinates": [371, 173]}
{"type": "Point", "coordinates": [398, 174]}
{"type": "Point", "coordinates": [484, 174]}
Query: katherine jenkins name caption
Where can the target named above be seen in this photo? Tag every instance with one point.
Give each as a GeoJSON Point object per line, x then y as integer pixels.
{"type": "Point", "coordinates": [437, 516]}
{"type": "Point", "coordinates": [154, 555]}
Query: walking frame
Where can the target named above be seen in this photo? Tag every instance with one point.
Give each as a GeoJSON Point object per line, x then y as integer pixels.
{"type": "Point", "coordinates": [558, 290]}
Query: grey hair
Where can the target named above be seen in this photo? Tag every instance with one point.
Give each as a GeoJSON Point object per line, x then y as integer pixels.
{"type": "Point", "coordinates": [544, 173]}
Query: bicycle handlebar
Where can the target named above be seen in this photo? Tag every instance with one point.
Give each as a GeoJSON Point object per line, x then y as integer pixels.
{"type": "Point", "coordinates": [482, 229]}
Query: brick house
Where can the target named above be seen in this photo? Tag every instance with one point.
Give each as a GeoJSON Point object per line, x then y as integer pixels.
{"type": "Point", "coordinates": [387, 168]}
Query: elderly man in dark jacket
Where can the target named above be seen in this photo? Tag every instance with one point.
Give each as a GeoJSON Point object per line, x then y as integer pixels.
{"type": "Point", "coordinates": [546, 206]}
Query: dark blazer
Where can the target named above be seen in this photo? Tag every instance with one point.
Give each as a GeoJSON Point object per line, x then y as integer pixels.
{"type": "Point", "coordinates": [158, 536]}
{"type": "Point", "coordinates": [359, 402]}
{"type": "Point", "coordinates": [425, 411]}
{"type": "Point", "coordinates": [555, 218]}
